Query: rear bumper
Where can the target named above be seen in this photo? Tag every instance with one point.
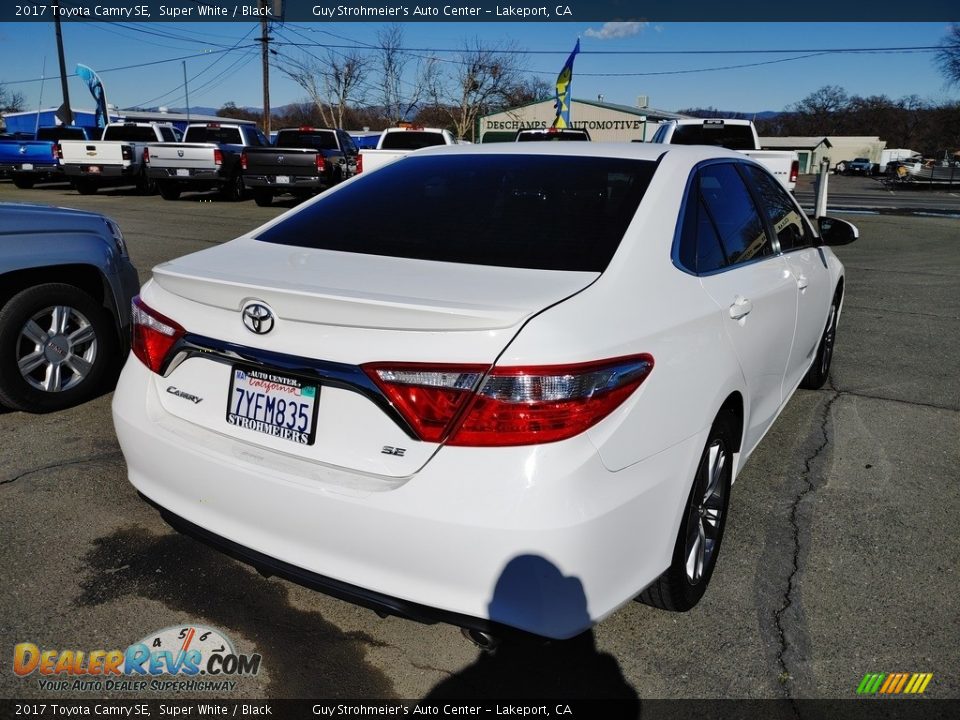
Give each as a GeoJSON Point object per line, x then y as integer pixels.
{"type": "Point", "coordinates": [543, 539]}
{"type": "Point", "coordinates": [37, 169]}
{"type": "Point", "coordinates": [196, 178]}
{"type": "Point", "coordinates": [297, 182]}
{"type": "Point", "coordinates": [106, 173]}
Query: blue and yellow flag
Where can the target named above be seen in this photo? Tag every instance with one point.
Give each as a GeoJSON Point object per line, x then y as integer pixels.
{"type": "Point", "coordinates": [563, 91]}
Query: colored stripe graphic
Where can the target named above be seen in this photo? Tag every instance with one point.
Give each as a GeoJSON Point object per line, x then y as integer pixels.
{"type": "Point", "coordinates": [894, 683]}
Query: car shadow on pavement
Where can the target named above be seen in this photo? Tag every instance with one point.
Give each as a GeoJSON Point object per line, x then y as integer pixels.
{"type": "Point", "coordinates": [304, 655]}
{"type": "Point", "coordinates": [532, 591]}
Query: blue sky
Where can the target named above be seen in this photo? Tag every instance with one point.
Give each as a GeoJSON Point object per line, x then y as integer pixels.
{"type": "Point", "coordinates": [235, 76]}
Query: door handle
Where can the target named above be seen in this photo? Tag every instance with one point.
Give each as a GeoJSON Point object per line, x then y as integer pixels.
{"type": "Point", "coordinates": [741, 308]}
{"type": "Point", "coordinates": [802, 282]}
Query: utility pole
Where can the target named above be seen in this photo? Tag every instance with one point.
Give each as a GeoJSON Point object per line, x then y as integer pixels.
{"type": "Point", "coordinates": [66, 116]}
{"type": "Point", "coordinates": [265, 58]}
{"type": "Point", "coordinates": [186, 90]}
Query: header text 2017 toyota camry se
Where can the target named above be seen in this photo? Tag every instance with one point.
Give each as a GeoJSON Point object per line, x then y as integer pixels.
{"type": "Point", "coordinates": [493, 385]}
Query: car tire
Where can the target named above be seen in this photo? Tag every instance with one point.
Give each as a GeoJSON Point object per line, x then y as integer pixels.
{"type": "Point", "coordinates": [234, 189]}
{"type": "Point", "coordinates": [263, 198]}
{"type": "Point", "coordinates": [701, 527]}
{"type": "Point", "coordinates": [819, 370]}
{"type": "Point", "coordinates": [80, 349]}
{"type": "Point", "coordinates": [24, 182]}
{"type": "Point", "coordinates": [169, 190]}
{"type": "Point", "coordinates": [146, 185]}
{"type": "Point", "coordinates": [85, 187]}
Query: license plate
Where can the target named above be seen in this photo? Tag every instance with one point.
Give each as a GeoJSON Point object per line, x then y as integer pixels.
{"type": "Point", "coordinates": [27, 166]}
{"type": "Point", "coordinates": [283, 179]}
{"type": "Point", "coordinates": [95, 169]}
{"type": "Point", "coordinates": [273, 404]}
{"type": "Point", "coordinates": [183, 171]}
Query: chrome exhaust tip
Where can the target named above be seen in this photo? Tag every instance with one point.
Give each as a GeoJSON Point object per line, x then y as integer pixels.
{"type": "Point", "coordinates": [483, 640]}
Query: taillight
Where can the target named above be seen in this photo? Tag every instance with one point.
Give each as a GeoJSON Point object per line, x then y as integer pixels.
{"type": "Point", "coordinates": [513, 405]}
{"type": "Point", "coordinates": [243, 160]}
{"type": "Point", "coordinates": [217, 156]}
{"type": "Point", "coordinates": [56, 151]}
{"type": "Point", "coordinates": [126, 153]}
{"type": "Point", "coordinates": [428, 396]}
{"type": "Point", "coordinates": [794, 170]}
{"type": "Point", "coordinates": [321, 164]}
{"type": "Point", "coordinates": [360, 163]}
{"type": "Point", "coordinates": [146, 155]}
{"type": "Point", "coordinates": [153, 334]}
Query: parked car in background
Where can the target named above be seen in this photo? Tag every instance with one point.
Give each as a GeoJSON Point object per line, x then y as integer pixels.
{"type": "Point", "coordinates": [117, 158]}
{"type": "Point", "coordinates": [208, 158]}
{"type": "Point", "coordinates": [397, 142]}
{"type": "Point", "coordinates": [522, 421]}
{"type": "Point", "coordinates": [66, 283]}
{"type": "Point", "coordinates": [303, 162]}
{"type": "Point", "coordinates": [551, 134]}
{"type": "Point", "coordinates": [739, 135]}
{"type": "Point", "coordinates": [859, 166]}
{"type": "Point", "coordinates": [28, 162]}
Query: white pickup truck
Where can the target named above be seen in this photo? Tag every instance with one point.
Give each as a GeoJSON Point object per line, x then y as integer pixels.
{"type": "Point", "coordinates": [115, 159]}
{"type": "Point", "coordinates": [399, 141]}
{"type": "Point", "coordinates": [739, 135]}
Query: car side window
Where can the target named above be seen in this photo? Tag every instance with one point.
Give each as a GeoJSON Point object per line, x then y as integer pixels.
{"type": "Point", "coordinates": [792, 232]}
{"type": "Point", "coordinates": [700, 248]}
{"type": "Point", "coordinates": [734, 214]}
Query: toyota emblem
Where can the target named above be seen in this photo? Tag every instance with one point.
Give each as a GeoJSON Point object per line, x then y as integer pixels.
{"type": "Point", "coordinates": [258, 318]}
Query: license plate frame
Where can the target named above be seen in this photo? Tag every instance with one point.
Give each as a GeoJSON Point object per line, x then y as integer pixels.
{"type": "Point", "coordinates": [27, 166]}
{"type": "Point", "coordinates": [93, 169]}
{"type": "Point", "coordinates": [183, 172]}
{"type": "Point", "coordinates": [276, 384]}
{"type": "Point", "coordinates": [283, 179]}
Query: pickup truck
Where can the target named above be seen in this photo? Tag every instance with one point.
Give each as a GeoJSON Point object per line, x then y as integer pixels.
{"type": "Point", "coordinates": [400, 141]}
{"type": "Point", "coordinates": [304, 161]}
{"type": "Point", "coordinates": [115, 159]}
{"type": "Point", "coordinates": [739, 135]}
{"type": "Point", "coordinates": [28, 162]}
{"type": "Point", "coordinates": [208, 157]}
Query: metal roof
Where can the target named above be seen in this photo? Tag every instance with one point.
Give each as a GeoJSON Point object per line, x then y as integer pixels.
{"type": "Point", "coordinates": [796, 141]}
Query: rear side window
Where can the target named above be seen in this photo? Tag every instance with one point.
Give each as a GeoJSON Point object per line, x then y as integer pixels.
{"type": "Point", "coordinates": [722, 225]}
{"type": "Point", "coordinates": [524, 211]}
{"type": "Point", "coordinates": [411, 140]}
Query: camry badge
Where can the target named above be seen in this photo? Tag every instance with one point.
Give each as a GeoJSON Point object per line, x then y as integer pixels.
{"type": "Point", "coordinates": [258, 318]}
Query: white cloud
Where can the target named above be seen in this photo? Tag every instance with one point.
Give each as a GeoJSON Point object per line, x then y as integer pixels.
{"type": "Point", "coordinates": [613, 30]}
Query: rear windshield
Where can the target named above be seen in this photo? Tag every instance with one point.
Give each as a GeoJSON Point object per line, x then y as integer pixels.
{"type": "Point", "coordinates": [225, 135]}
{"type": "Point", "coordinates": [411, 140]}
{"type": "Point", "coordinates": [548, 212]}
{"type": "Point", "coordinates": [732, 137]}
{"type": "Point", "coordinates": [61, 133]}
{"type": "Point", "coordinates": [131, 133]}
{"type": "Point", "coordinates": [307, 139]}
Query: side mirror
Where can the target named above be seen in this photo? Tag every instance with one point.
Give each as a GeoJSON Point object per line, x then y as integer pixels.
{"type": "Point", "coordinates": [834, 231]}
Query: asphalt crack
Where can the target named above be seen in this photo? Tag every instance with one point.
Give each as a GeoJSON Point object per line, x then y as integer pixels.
{"type": "Point", "coordinates": [68, 463]}
{"type": "Point", "coordinates": [808, 487]}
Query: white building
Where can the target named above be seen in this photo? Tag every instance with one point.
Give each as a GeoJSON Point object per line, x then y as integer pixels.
{"type": "Point", "coordinates": [604, 121]}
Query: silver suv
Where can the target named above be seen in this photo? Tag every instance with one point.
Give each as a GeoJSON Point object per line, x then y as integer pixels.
{"type": "Point", "coordinates": [66, 283]}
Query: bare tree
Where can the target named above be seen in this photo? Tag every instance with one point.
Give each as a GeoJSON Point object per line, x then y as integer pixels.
{"type": "Point", "coordinates": [400, 88]}
{"type": "Point", "coordinates": [948, 56]}
{"type": "Point", "coordinates": [10, 101]}
{"type": "Point", "coordinates": [481, 80]}
{"type": "Point", "coordinates": [332, 83]}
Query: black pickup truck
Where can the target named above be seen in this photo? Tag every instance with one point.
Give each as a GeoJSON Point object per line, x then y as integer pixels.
{"type": "Point", "coordinates": [303, 162]}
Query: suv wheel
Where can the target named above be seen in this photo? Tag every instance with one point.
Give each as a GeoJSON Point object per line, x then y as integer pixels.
{"type": "Point", "coordinates": [56, 344]}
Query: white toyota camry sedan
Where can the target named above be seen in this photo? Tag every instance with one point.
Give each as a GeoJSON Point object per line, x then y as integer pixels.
{"type": "Point", "coordinates": [502, 386]}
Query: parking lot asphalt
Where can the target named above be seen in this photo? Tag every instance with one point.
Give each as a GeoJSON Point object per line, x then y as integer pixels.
{"type": "Point", "coordinates": [839, 559]}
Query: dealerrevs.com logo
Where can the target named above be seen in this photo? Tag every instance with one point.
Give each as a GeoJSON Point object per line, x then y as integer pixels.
{"type": "Point", "coordinates": [182, 658]}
